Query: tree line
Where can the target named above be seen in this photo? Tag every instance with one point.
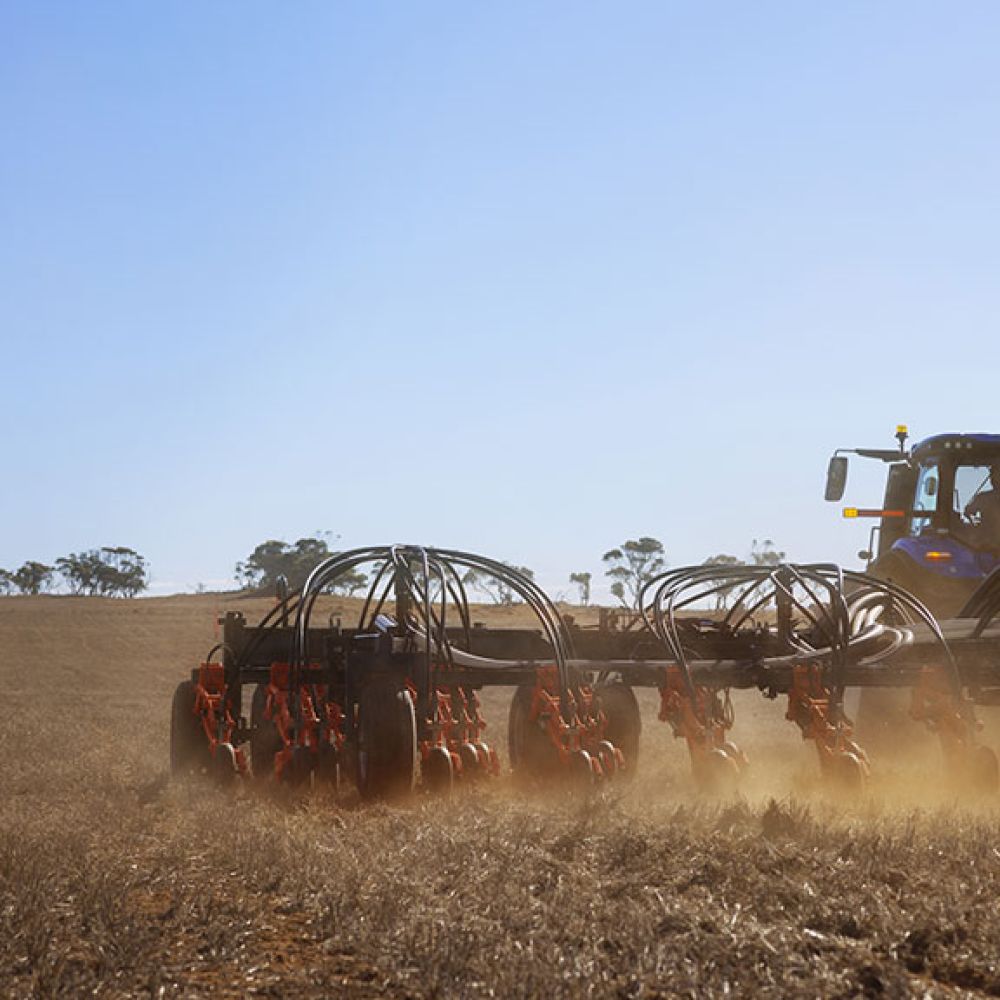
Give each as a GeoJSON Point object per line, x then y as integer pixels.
{"type": "Point", "coordinates": [111, 571]}
{"type": "Point", "coordinates": [638, 560]}
{"type": "Point", "coordinates": [272, 560]}
{"type": "Point", "coordinates": [627, 566]}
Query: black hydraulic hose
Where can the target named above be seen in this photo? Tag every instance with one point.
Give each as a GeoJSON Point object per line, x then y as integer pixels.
{"type": "Point", "coordinates": [266, 625]}
{"type": "Point", "coordinates": [538, 600]}
{"type": "Point", "coordinates": [906, 599]}
{"type": "Point", "coordinates": [375, 581]}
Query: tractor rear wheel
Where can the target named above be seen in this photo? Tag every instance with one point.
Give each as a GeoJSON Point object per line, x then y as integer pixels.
{"type": "Point", "coordinates": [188, 745]}
{"type": "Point", "coordinates": [387, 740]}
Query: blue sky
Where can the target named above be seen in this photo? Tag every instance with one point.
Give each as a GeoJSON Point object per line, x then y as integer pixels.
{"type": "Point", "coordinates": [528, 279]}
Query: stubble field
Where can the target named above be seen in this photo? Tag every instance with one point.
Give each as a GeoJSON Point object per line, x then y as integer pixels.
{"type": "Point", "coordinates": [115, 882]}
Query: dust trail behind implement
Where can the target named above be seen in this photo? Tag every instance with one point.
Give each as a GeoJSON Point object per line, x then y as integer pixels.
{"type": "Point", "coordinates": [113, 880]}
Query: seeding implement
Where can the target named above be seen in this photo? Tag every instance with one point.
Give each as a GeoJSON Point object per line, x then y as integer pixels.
{"type": "Point", "coordinates": [392, 701]}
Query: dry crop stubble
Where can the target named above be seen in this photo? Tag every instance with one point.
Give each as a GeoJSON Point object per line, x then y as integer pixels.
{"type": "Point", "coordinates": [114, 882]}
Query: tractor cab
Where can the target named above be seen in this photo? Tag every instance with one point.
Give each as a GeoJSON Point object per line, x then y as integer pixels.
{"type": "Point", "coordinates": [938, 530]}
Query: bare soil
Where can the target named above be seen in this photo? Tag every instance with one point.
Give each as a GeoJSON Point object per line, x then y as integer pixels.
{"type": "Point", "coordinates": [116, 882]}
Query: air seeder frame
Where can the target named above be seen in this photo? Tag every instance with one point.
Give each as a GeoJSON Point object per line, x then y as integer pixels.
{"type": "Point", "coordinates": [393, 701]}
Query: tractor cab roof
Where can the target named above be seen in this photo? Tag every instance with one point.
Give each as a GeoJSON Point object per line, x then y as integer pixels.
{"type": "Point", "coordinates": [974, 446]}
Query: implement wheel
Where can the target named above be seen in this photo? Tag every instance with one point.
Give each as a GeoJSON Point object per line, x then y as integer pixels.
{"type": "Point", "coordinates": [188, 746]}
{"type": "Point", "coordinates": [531, 751]}
{"type": "Point", "coordinates": [265, 740]}
{"type": "Point", "coordinates": [715, 772]}
{"type": "Point", "coordinates": [849, 773]}
{"type": "Point", "coordinates": [387, 740]}
{"type": "Point", "coordinates": [436, 772]}
{"type": "Point", "coordinates": [624, 721]}
{"type": "Point", "coordinates": [985, 771]}
{"type": "Point", "coordinates": [224, 764]}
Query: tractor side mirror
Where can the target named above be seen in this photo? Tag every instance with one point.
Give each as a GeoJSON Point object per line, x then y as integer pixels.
{"type": "Point", "coordinates": [836, 478]}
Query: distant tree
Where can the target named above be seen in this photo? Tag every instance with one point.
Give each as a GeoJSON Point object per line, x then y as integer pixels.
{"type": "Point", "coordinates": [349, 583]}
{"type": "Point", "coordinates": [498, 591]}
{"type": "Point", "coordinates": [263, 566]}
{"type": "Point", "coordinates": [6, 581]}
{"type": "Point", "coordinates": [582, 580]}
{"type": "Point", "coordinates": [112, 571]}
{"type": "Point", "coordinates": [33, 578]}
{"type": "Point", "coordinates": [765, 554]}
{"type": "Point", "coordinates": [722, 595]}
{"type": "Point", "coordinates": [631, 565]}
{"type": "Point", "coordinates": [81, 572]}
{"type": "Point", "coordinates": [126, 573]}
{"type": "Point", "coordinates": [273, 559]}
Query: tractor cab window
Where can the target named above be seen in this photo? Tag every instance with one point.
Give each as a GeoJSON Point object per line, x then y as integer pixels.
{"type": "Point", "coordinates": [970, 482]}
{"type": "Point", "coordinates": [977, 505]}
{"type": "Point", "coordinates": [925, 497]}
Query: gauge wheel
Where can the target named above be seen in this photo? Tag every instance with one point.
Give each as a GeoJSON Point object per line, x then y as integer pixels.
{"type": "Point", "coordinates": [532, 753]}
{"type": "Point", "coordinates": [621, 709]}
{"type": "Point", "coordinates": [387, 740]}
{"type": "Point", "coordinates": [189, 749]}
{"type": "Point", "coordinates": [265, 740]}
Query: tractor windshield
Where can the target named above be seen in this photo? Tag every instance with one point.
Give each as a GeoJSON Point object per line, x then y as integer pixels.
{"type": "Point", "coordinates": [970, 481]}
{"type": "Point", "coordinates": [976, 507]}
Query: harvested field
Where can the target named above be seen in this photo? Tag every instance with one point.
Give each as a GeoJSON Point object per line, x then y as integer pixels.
{"type": "Point", "coordinates": [115, 882]}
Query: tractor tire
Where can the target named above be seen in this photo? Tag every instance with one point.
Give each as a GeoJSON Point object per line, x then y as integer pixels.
{"type": "Point", "coordinates": [531, 751]}
{"type": "Point", "coordinates": [188, 746]}
{"type": "Point", "coordinates": [265, 741]}
{"type": "Point", "coordinates": [624, 721]}
{"type": "Point", "coordinates": [387, 740]}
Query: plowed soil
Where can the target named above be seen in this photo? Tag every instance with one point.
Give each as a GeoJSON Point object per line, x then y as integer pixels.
{"type": "Point", "coordinates": [115, 881]}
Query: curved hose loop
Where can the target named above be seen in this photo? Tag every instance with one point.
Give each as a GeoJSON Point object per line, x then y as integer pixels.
{"type": "Point", "coordinates": [674, 605]}
{"type": "Point", "coordinates": [274, 619]}
{"type": "Point", "coordinates": [224, 646]}
{"type": "Point", "coordinates": [755, 582]}
{"type": "Point", "coordinates": [420, 593]}
{"type": "Point", "coordinates": [526, 588]}
{"type": "Point", "coordinates": [460, 598]}
{"type": "Point", "coordinates": [321, 577]}
{"type": "Point", "coordinates": [402, 558]}
{"type": "Point", "coordinates": [906, 600]}
{"type": "Point", "coordinates": [546, 612]}
{"type": "Point", "coordinates": [816, 591]}
{"type": "Point", "coordinates": [666, 588]}
{"type": "Point", "coordinates": [834, 611]}
{"type": "Point", "coordinates": [369, 597]}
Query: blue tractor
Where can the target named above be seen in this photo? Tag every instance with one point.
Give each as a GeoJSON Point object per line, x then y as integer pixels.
{"type": "Point", "coordinates": [938, 530]}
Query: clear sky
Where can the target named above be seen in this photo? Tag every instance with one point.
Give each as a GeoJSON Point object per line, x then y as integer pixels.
{"type": "Point", "coordinates": [528, 279]}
